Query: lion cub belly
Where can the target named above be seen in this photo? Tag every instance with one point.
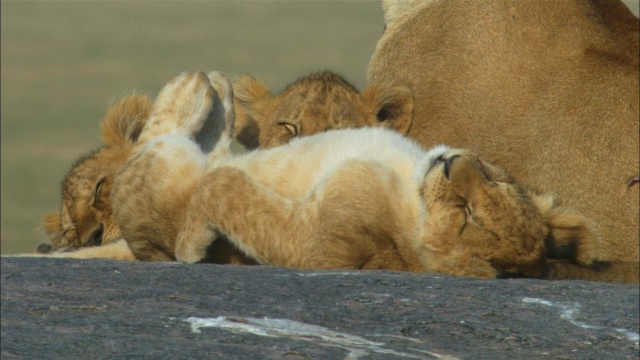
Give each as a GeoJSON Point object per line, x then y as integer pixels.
{"type": "Point", "coordinates": [367, 178]}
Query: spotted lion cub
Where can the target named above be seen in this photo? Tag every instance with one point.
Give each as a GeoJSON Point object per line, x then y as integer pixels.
{"type": "Point", "coordinates": [351, 199]}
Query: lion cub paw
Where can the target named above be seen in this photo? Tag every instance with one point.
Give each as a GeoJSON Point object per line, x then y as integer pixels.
{"type": "Point", "coordinates": [223, 116]}
{"type": "Point", "coordinates": [181, 108]}
{"type": "Point", "coordinates": [223, 87]}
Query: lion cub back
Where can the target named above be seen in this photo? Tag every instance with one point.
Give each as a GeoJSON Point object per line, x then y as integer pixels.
{"type": "Point", "coordinates": [296, 169]}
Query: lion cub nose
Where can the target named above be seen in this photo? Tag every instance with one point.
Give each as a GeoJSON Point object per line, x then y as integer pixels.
{"type": "Point", "coordinates": [447, 164]}
{"type": "Point", "coordinates": [462, 173]}
{"type": "Point", "coordinates": [44, 249]}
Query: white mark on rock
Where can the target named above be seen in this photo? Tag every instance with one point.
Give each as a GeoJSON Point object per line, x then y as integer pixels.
{"type": "Point", "coordinates": [347, 273]}
{"type": "Point", "coordinates": [568, 312]}
{"type": "Point", "coordinates": [356, 345]}
{"type": "Point", "coordinates": [330, 273]}
{"type": "Point", "coordinates": [417, 341]}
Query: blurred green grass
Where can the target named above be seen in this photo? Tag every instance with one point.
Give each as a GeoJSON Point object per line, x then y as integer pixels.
{"type": "Point", "coordinates": [62, 62]}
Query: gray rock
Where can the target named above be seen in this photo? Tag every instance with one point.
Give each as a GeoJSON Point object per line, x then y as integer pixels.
{"type": "Point", "coordinates": [101, 309]}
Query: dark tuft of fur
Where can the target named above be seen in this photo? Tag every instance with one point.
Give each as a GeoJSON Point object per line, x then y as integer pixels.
{"type": "Point", "coordinates": [566, 251]}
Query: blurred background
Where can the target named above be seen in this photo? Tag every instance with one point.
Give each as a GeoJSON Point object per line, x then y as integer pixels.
{"type": "Point", "coordinates": [62, 62]}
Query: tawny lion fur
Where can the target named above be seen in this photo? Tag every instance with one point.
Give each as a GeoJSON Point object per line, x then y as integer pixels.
{"type": "Point", "coordinates": [314, 103]}
{"type": "Point", "coordinates": [354, 199]}
{"type": "Point", "coordinates": [549, 91]}
{"type": "Point", "coordinates": [85, 218]}
{"type": "Point", "coordinates": [177, 112]}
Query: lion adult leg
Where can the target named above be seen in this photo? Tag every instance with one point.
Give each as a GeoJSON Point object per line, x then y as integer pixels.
{"type": "Point", "coordinates": [265, 226]}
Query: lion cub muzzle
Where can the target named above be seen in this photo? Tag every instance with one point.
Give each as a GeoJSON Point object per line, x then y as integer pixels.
{"type": "Point", "coordinates": [457, 173]}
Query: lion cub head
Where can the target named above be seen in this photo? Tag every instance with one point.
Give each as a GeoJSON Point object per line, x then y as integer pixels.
{"type": "Point", "coordinates": [86, 218]}
{"type": "Point", "coordinates": [481, 222]}
{"type": "Point", "coordinates": [313, 104]}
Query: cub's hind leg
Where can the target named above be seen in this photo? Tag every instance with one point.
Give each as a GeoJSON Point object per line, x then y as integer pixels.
{"type": "Point", "coordinates": [181, 107]}
{"type": "Point", "coordinates": [151, 193]}
{"type": "Point", "coordinates": [268, 228]}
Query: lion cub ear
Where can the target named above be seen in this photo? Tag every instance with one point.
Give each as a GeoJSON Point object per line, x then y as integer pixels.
{"type": "Point", "coordinates": [124, 119]}
{"type": "Point", "coordinates": [392, 104]}
{"type": "Point", "coordinates": [251, 98]}
{"type": "Point", "coordinates": [571, 236]}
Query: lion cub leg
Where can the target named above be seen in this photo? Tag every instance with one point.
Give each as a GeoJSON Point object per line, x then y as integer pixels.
{"type": "Point", "coordinates": [116, 250]}
{"type": "Point", "coordinates": [262, 224]}
{"type": "Point", "coordinates": [181, 108]}
{"type": "Point", "coordinates": [151, 194]}
{"type": "Point", "coordinates": [339, 224]}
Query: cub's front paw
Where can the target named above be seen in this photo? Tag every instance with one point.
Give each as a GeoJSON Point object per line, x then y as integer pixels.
{"type": "Point", "coordinates": [219, 136]}
{"type": "Point", "coordinates": [193, 241]}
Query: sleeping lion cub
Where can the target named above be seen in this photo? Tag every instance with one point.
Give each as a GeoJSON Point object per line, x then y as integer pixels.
{"type": "Point", "coordinates": [316, 103]}
{"type": "Point", "coordinates": [547, 89]}
{"type": "Point", "coordinates": [351, 199]}
{"type": "Point", "coordinates": [313, 103]}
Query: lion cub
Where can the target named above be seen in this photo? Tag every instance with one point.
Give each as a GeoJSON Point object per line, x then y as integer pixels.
{"type": "Point", "coordinates": [352, 199]}
{"type": "Point", "coordinates": [85, 218]}
{"type": "Point", "coordinates": [314, 103]}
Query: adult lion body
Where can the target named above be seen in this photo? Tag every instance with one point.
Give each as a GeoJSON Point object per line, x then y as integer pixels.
{"type": "Point", "coordinates": [548, 90]}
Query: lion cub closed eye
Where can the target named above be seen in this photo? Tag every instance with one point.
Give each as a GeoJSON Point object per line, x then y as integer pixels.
{"type": "Point", "coordinates": [314, 104]}
{"type": "Point", "coordinates": [85, 218]}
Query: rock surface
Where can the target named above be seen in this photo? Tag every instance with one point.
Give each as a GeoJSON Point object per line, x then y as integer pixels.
{"type": "Point", "coordinates": [101, 309]}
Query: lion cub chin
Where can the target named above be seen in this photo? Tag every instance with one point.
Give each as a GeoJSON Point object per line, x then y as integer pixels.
{"type": "Point", "coordinates": [350, 199]}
